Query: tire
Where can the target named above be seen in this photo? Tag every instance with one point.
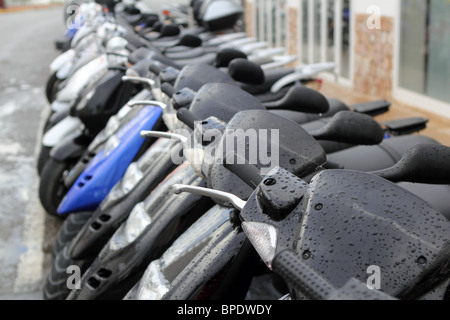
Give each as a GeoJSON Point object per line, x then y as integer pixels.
{"type": "Point", "coordinates": [69, 229]}
{"type": "Point", "coordinates": [51, 186]}
{"type": "Point", "coordinates": [48, 124]}
{"type": "Point", "coordinates": [55, 287]}
{"type": "Point", "coordinates": [44, 156]}
{"type": "Point", "coordinates": [51, 89]}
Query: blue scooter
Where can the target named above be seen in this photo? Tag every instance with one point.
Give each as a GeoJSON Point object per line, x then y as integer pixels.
{"type": "Point", "coordinates": [109, 165]}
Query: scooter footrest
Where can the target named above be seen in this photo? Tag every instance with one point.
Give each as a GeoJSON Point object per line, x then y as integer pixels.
{"type": "Point", "coordinates": [405, 126]}
{"type": "Point", "coordinates": [372, 108]}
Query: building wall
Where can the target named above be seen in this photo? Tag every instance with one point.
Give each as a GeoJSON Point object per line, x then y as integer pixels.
{"type": "Point", "coordinates": [374, 53]}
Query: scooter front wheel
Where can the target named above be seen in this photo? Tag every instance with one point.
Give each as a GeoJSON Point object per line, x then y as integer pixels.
{"type": "Point", "coordinates": [43, 157]}
{"type": "Point", "coordinates": [69, 229]}
{"type": "Point", "coordinates": [51, 89]}
{"type": "Point", "coordinates": [51, 187]}
{"type": "Point", "coordinates": [56, 283]}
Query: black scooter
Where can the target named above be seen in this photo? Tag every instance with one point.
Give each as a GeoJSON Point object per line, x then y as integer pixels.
{"type": "Point", "coordinates": [103, 219]}
{"type": "Point", "coordinates": [311, 101]}
{"type": "Point", "coordinates": [165, 213]}
{"type": "Point", "coordinates": [113, 209]}
{"type": "Point", "coordinates": [339, 223]}
{"type": "Point", "coordinates": [402, 235]}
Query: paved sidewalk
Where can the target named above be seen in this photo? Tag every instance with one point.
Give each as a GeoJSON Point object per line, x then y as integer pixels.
{"type": "Point", "coordinates": [437, 127]}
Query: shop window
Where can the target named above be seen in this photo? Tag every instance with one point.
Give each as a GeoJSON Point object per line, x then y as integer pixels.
{"type": "Point", "coordinates": [425, 48]}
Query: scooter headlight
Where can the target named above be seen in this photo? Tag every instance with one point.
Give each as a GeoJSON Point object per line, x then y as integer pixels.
{"type": "Point", "coordinates": [135, 173]}
{"type": "Point", "coordinates": [131, 178]}
{"type": "Point", "coordinates": [112, 143]}
{"type": "Point", "coordinates": [157, 278]}
{"type": "Point", "coordinates": [170, 119]}
{"type": "Point", "coordinates": [84, 101]}
{"type": "Point", "coordinates": [119, 59]}
{"type": "Point", "coordinates": [136, 223]}
{"type": "Point", "coordinates": [264, 238]}
{"type": "Point", "coordinates": [111, 127]}
{"type": "Point", "coordinates": [154, 285]}
{"type": "Point", "coordinates": [133, 227]}
{"type": "Point", "coordinates": [195, 158]}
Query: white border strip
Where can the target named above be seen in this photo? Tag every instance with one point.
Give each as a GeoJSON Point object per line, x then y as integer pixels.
{"type": "Point", "coordinates": [30, 268]}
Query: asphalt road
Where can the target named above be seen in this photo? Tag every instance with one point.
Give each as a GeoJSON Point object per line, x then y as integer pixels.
{"type": "Point", "coordinates": [27, 49]}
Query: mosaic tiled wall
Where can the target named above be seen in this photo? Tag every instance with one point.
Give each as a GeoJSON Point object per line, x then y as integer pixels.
{"type": "Point", "coordinates": [373, 57]}
{"type": "Point", "coordinates": [249, 19]}
{"type": "Point", "coordinates": [293, 36]}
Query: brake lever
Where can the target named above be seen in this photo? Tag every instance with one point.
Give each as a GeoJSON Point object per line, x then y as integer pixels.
{"type": "Point", "coordinates": [147, 102]}
{"type": "Point", "coordinates": [163, 134]}
{"type": "Point", "coordinates": [237, 202]}
{"type": "Point", "coordinates": [143, 80]}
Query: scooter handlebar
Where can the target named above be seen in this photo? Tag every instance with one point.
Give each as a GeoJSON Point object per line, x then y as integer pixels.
{"type": "Point", "coordinates": [314, 286]}
{"type": "Point", "coordinates": [249, 173]}
{"type": "Point", "coordinates": [296, 272]}
{"type": "Point", "coordinates": [187, 117]}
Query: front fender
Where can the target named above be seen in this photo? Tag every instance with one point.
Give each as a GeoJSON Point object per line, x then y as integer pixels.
{"type": "Point", "coordinates": [54, 119]}
{"type": "Point", "coordinates": [60, 131]}
{"type": "Point", "coordinates": [72, 147]}
{"type": "Point", "coordinates": [61, 60]}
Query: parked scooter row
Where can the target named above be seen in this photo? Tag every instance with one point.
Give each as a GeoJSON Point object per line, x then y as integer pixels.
{"type": "Point", "coordinates": [69, 132]}
{"type": "Point", "coordinates": [209, 175]}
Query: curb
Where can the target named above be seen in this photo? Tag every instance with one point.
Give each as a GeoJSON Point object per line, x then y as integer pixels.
{"type": "Point", "coordinates": [29, 7]}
